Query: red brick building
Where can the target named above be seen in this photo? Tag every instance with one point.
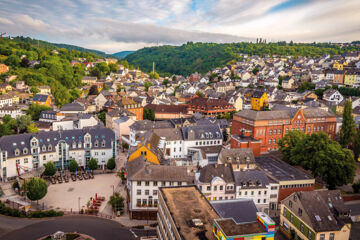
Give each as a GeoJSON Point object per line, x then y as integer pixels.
{"type": "Point", "coordinates": [209, 107]}
{"type": "Point", "coordinates": [270, 126]}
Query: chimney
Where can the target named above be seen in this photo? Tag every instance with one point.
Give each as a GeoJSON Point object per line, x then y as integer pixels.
{"type": "Point", "coordinates": [148, 145]}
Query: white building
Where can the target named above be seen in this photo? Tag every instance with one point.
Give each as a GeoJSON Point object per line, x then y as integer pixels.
{"type": "Point", "coordinates": [32, 150]}
{"type": "Point", "coordinates": [13, 111]}
{"type": "Point", "coordinates": [6, 100]}
{"type": "Point", "coordinates": [144, 180]}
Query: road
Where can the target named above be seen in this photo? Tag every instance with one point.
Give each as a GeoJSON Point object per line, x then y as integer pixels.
{"type": "Point", "coordinates": [100, 229]}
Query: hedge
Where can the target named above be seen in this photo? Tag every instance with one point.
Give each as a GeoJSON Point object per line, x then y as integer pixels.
{"type": "Point", "coordinates": [36, 214]}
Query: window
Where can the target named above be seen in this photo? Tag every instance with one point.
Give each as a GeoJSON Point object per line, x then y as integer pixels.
{"type": "Point", "coordinates": [239, 193]}
{"type": "Point", "coordinates": [26, 160]}
{"type": "Point", "coordinates": [265, 192]}
{"type": "Point", "coordinates": [332, 236]}
{"type": "Point", "coordinates": [258, 200]}
{"type": "Point", "coordinates": [309, 234]}
{"type": "Point", "coordinates": [290, 204]}
{"type": "Point", "coordinates": [147, 192]}
{"type": "Point", "coordinates": [138, 201]}
{"type": "Point", "coordinates": [284, 213]}
{"type": "Point", "coordinates": [25, 151]}
{"type": "Point", "coordinates": [302, 227]}
{"type": "Point", "coordinates": [17, 152]}
{"type": "Point", "coordinates": [44, 157]}
{"type": "Point", "coordinates": [139, 183]}
{"type": "Point", "coordinates": [264, 200]}
{"type": "Point", "coordinates": [270, 132]}
{"type": "Point", "coordinates": [291, 218]}
{"type": "Point", "coordinates": [259, 192]}
{"type": "Point", "coordinates": [300, 212]}
{"type": "Point", "coordinates": [155, 192]}
{"type": "Point", "coordinates": [221, 188]}
{"type": "Point", "coordinates": [252, 193]}
{"type": "Point", "coordinates": [103, 143]}
{"type": "Point", "coordinates": [269, 141]}
{"type": "Point", "coordinates": [147, 183]}
{"type": "Point", "coordinates": [179, 183]}
{"type": "Point", "coordinates": [245, 193]}
{"type": "Point", "coordinates": [138, 192]}
{"type": "Point", "coordinates": [274, 140]}
{"type": "Point", "coordinates": [17, 161]}
{"type": "Point", "coordinates": [49, 148]}
{"type": "Point", "coordinates": [279, 131]}
{"type": "Point", "coordinates": [215, 188]}
{"type": "Point", "coordinates": [322, 236]}
{"type": "Point", "coordinates": [155, 183]}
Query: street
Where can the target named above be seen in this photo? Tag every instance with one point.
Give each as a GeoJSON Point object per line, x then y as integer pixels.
{"type": "Point", "coordinates": [100, 229]}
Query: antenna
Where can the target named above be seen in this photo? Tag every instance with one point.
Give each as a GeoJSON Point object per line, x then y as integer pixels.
{"type": "Point", "coordinates": [2, 34]}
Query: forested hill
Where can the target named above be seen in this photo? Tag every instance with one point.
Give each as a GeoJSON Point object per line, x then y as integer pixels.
{"type": "Point", "coordinates": [202, 57]}
{"type": "Point", "coordinates": [58, 45]}
{"type": "Point", "coordinates": [53, 69]}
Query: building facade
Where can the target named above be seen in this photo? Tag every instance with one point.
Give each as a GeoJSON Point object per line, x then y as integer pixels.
{"type": "Point", "coordinates": [33, 150]}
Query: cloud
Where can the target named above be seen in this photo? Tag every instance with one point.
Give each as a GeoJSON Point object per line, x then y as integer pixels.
{"type": "Point", "coordinates": [113, 25]}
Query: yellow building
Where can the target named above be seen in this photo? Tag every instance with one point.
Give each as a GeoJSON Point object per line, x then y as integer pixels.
{"type": "Point", "coordinates": [42, 100]}
{"type": "Point", "coordinates": [349, 78]}
{"type": "Point", "coordinates": [149, 150]}
{"type": "Point", "coordinates": [339, 65]}
{"type": "Point", "coordinates": [259, 101]}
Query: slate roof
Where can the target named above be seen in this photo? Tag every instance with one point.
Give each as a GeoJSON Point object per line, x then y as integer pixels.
{"type": "Point", "coordinates": [324, 210]}
{"type": "Point", "coordinates": [170, 134]}
{"type": "Point", "coordinates": [164, 108]}
{"type": "Point", "coordinates": [202, 132]}
{"type": "Point", "coordinates": [51, 138]}
{"type": "Point", "coordinates": [236, 156]}
{"type": "Point", "coordinates": [251, 179]}
{"type": "Point", "coordinates": [40, 98]}
{"type": "Point", "coordinates": [139, 170]}
{"type": "Point", "coordinates": [74, 106]}
{"type": "Point", "coordinates": [241, 210]}
{"type": "Point", "coordinates": [209, 172]}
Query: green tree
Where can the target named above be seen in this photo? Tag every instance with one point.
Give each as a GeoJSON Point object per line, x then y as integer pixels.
{"type": "Point", "coordinates": [12, 61]}
{"type": "Point", "coordinates": [199, 94]}
{"type": "Point", "coordinates": [32, 128]}
{"type": "Point", "coordinates": [34, 111]}
{"type": "Point", "coordinates": [102, 116]}
{"type": "Point", "coordinates": [323, 157]}
{"type": "Point", "coordinates": [113, 67]}
{"type": "Point", "coordinates": [165, 82]}
{"type": "Point", "coordinates": [255, 70]}
{"type": "Point", "coordinates": [154, 75]}
{"type": "Point", "coordinates": [92, 164]}
{"type": "Point", "coordinates": [125, 145]}
{"type": "Point", "coordinates": [22, 123]}
{"type": "Point", "coordinates": [73, 165]}
{"type": "Point", "coordinates": [288, 142]}
{"type": "Point", "coordinates": [5, 130]}
{"type": "Point", "coordinates": [105, 87]}
{"type": "Point", "coordinates": [50, 169]}
{"type": "Point", "coordinates": [36, 189]}
{"type": "Point", "coordinates": [93, 90]}
{"type": "Point", "coordinates": [34, 90]}
{"type": "Point", "coordinates": [148, 114]}
{"type": "Point", "coordinates": [117, 202]}
{"type": "Point", "coordinates": [103, 67]}
{"type": "Point", "coordinates": [357, 144]}
{"type": "Point", "coordinates": [147, 85]}
{"type": "Point", "coordinates": [348, 126]}
{"type": "Point", "coordinates": [111, 164]}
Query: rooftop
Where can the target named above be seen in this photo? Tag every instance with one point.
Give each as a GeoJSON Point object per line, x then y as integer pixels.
{"type": "Point", "coordinates": [187, 203]}
{"type": "Point", "coordinates": [273, 165]}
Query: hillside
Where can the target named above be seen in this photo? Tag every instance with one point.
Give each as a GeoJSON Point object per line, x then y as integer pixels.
{"type": "Point", "coordinates": [202, 57]}
{"type": "Point", "coordinates": [122, 54]}
{"type": "Point", "coordinates": [53, 70]}
{"type": "Point", "coordinates": [58, 45]}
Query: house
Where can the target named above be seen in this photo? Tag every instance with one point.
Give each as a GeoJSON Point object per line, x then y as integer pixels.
{"type": "Point", "coordinates": [42, 100]}
{"type": "Point", "coordinates": [115, 114]}
{"type": "Point", "coordinates": [50, 116]}
{"type": "Point", "coordinates": [122, 127]}
{"type": "Point", "coordinates": [333, 96]}
{"type": "Point", "coordinates": [163, 111]}
{"type": "Point", "coordinates": [240, 158]}
{"type": "Point", "coordinates": [89, 80]}
{"type": "Point", "coordinates": [319, 214]}
{"type": "Point", "coordinates": [75, 121]}
{"type": "Point", "coordinates": [139, 128]}
{"type": "Point", "coordinates": [216, 182]}
{"type": "Point", "coordinates": [259, 100]}
{"type": "Point", "coordinates": [236, 101]}
{"type": "Point", "coordinates": [288, 83]}
{"type": "Point", "coordinates": [209, 107]}
{"type": "Point", "coordinates": [74, 107]}
{"type": "Point", "coordinates": [45, 90]}
{"type": "Point", "coordinates": [20, 85]}
{"type": "Point", "coordinates": [149, 147]}
{"type": "Point", "coordinates": [339, 65]}
{"type": "Point", "coordinates": [350, 77]}
{"type": "Point", "coordinates": [12, 111]}
{"type": "Point", "coordinates": [256, 185]}
{"type": "Point", "coordinates": [6, 100]}
{"type": "Point", "coordinates": [3, 68]}
{"type": "Point", "coordinates": [132, 106]}
{"type": "Point", "coordinates": [33, 150]}
{"type": "Point", "coordinates": [144, 181]}
{"type": "Point", "coordinates": [339, 77]}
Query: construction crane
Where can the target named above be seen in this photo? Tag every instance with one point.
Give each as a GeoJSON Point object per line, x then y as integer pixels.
{"type": "Point", "coordinates": [2, 34]}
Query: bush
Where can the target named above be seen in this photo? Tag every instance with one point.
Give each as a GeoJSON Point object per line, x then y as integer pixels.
{"type": "Point", "coordinates": [356, 187]}
{"type": "Point", "coordinates": [111, 164]}
{"type": "Point", "coordinates": [92, 164]}
{"type": "Point", "coordinates": [73, 165]}
{"type": "Point", "coordinates": [22, 214]}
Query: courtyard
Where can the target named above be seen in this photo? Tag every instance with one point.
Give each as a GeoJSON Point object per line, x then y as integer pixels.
{"type": "Point", "coordinates": [69, 196]}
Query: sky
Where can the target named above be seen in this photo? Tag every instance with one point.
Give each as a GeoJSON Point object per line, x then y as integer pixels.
{"type": "Point", "coordinates": [119, 25]}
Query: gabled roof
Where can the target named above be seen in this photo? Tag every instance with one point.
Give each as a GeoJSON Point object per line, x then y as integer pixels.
{"type": "Point", "coordinates": [223, 171]}
{"type": "Point", "coordinates": [40, 98]}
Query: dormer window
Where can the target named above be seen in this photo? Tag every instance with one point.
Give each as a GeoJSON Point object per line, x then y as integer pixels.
{"type": "Point", "coordinates": [43, 148]}
{"type": "Point", "coordinates": [17, 152]}
{"type": "Point", "coordinates": [103, 143]}
{"type": "Point", "coordinates": [25, 151]}
{"type": "Point", "coordinates": [49, 148]}
{"type": "Point", "coordinates": [96, 143]}
{"type": "Point", "coordinates": [74, 145]}
{"type": "Point", "coordinates": [79, 145]}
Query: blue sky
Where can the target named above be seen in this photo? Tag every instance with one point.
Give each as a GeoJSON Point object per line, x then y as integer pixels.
{"type": "Point", "coordinates": [117, 25]}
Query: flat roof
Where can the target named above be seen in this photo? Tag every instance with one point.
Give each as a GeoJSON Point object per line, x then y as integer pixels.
{"type": "Point", "coordinates": [273, 165]}
{"type": "Point", "coordinates": [186, 203]}
{"type": "Point", "coordinates": [230, 228]}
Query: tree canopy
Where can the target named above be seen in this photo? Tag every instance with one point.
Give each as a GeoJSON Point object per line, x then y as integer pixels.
{"type": "Point", "coordinates": [111, 164]}
{"type": "Point", "coordinates": [92, 164]}
{"type": "Point", "coordinates": [50, 169]}
{"type": "Point", "coordinates": [319, 154]}
{"type": "Point", "coordinates": [36, 189]}
{"type": "Point", "coordinates": [73, 165]}
{"type": "Point", "coordinates": [348, 125]}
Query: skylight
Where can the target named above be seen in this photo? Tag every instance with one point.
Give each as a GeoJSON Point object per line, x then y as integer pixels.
{"type": "Point", "coordinates": [318, 218]}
